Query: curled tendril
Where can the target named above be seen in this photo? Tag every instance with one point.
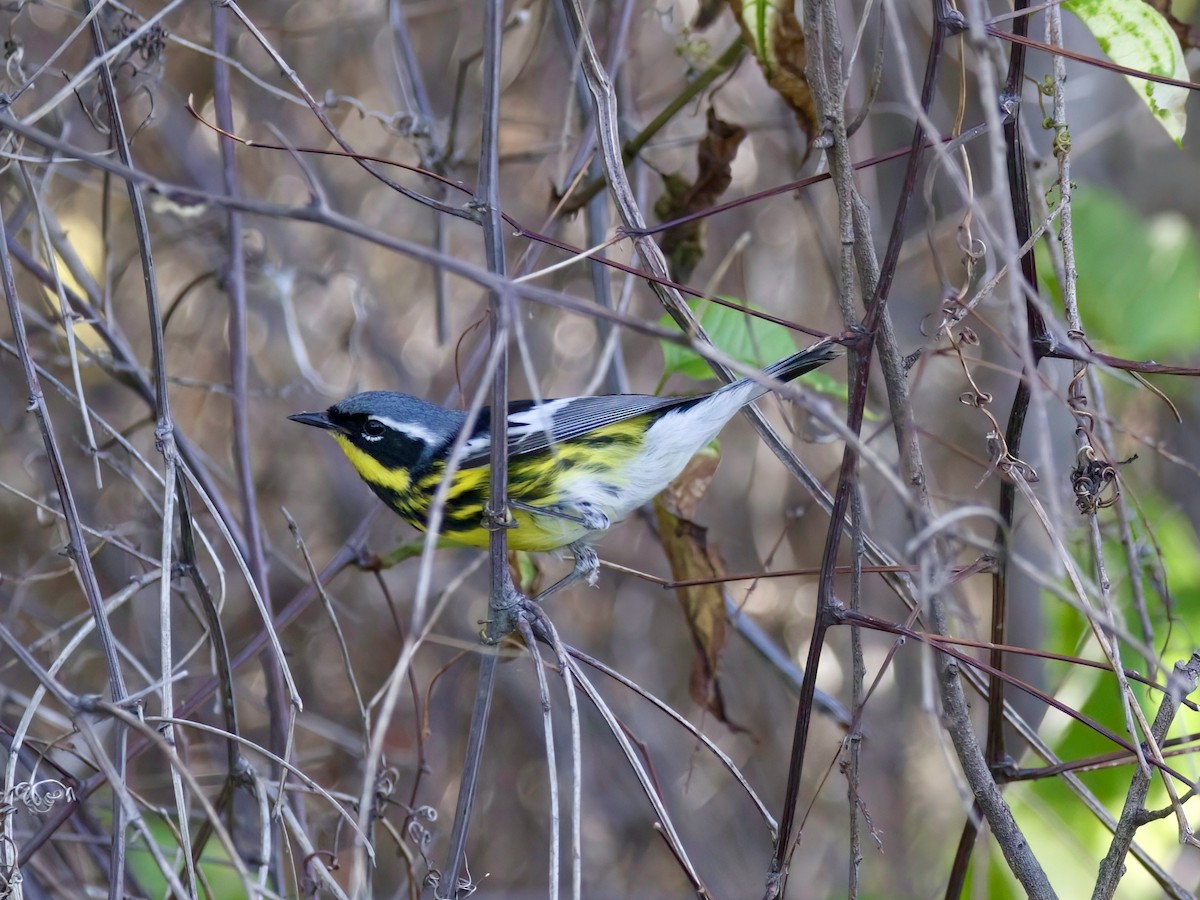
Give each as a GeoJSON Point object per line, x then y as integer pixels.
{"type": "Point", "coordinates": [420, 836]}
{"type": "Point", "coordinates": [975, 399]}
{"type": "Point", "coordinates": [1012, 464]}
{"type": "Point", "coordinates": [10, 873]}
{"type": "Point", "coordinates": [332, 861]}
{"type": "Point", "coordinates": [41, 796]}
{"type": "Point", "coordinates": [1095, 482]}
{"type": "Point", "coordinates": [426, 812]}
{"type": "Point", "coordinates": [385, 784]}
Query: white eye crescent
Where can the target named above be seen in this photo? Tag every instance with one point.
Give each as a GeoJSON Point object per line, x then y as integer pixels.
{"type": "Point", "coordinates": [374, 430]}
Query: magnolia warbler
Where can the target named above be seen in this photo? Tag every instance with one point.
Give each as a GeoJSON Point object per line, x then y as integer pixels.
{"type": "Point", "coordinates": [575, 465]}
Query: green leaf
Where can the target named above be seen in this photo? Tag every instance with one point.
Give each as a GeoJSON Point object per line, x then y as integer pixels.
{"type": "Point", "coordinates": [1131, 33]}
{"type": "Point", "coordinates": [220, 877]}
{"type": "Point", "coordinates": [748, 339]}
{"type": "Point", "coordinates": [1138, 278]}
{"type": "Point", "coordinates": [527, 571]}
{"type": "Point", "coordinates": [759, 17]}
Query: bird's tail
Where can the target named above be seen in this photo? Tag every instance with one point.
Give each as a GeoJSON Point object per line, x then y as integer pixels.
{"type": "Point", "coordinates": [738, 393]}
{"type": "Point", "coordinates": [805, 361]}
{"type": "Point", "coordinates": [702, 417]}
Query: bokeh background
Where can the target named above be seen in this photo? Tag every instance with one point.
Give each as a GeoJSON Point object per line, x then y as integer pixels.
{"type": "Point", "coordinates": [328, 312]}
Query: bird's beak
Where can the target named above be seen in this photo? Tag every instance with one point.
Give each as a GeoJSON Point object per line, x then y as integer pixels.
{"type": "Point", "coordinates": [315, 419]}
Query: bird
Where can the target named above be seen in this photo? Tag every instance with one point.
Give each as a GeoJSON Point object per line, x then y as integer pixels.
{"type": "Point", "coordinates": [575, 465]}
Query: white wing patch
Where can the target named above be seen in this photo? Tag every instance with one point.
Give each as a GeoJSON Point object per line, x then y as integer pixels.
{"type": "Point", "coordinates": [537, 418]}
{"type": "Point", "coordinates": [534, 429]}
{"type": "Point", "coordinates": [477, 446]}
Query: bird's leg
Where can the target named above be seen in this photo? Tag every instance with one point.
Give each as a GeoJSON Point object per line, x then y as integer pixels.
{"type": "Point", "coordinates": [585, 514]}
{"type": "Point", "coordinates": [587, 565]}
{"type": "Point", "coordinates": [592, 517]}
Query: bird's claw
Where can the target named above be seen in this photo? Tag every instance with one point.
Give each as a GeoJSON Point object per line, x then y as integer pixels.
{"type": "Point", "coordinates": [592, 518]}
{"type": "Point", "coordinates": [587, 564]}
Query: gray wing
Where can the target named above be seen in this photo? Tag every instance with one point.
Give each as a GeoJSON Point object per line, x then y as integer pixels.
{"type": "Point", "coordinates": [534, 427]}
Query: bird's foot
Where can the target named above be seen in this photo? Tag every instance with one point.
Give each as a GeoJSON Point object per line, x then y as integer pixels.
{"type": "Point", "coordinates": [534, 624]}
{"type": "Point", "coordinates": [587, 564]}
{"type": "Point", "coordinates": [592, 517]}
{"type": "Point", "coordinates": [518, 614]}
{"type": "Point", "coordinates": [587, 567]}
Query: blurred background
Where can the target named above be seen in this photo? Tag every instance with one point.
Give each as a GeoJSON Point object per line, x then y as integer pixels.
{"type": "Point", "coordinates": [317, 312]}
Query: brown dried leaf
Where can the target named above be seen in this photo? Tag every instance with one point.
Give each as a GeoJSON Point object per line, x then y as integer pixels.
{"type": "Point", "coordinates": [686, 546]}
{"type": "Point", "coordinates": [683, 245]}
{"type": "Point", "coordinates": [776, 37]}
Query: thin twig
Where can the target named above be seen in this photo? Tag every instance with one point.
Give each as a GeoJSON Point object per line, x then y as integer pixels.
{"type": "Point", "coordinates": [1183, 682]}
{"type": "Point", "coordinates": [555, 822]}
{"type": "Point", "coordinates": [503, 594]}
{"type": "Point", "coordinates": [77, 544]}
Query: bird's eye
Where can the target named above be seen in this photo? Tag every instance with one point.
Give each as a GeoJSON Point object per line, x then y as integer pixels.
{"type": "Point", "coordinates": [374, 428]}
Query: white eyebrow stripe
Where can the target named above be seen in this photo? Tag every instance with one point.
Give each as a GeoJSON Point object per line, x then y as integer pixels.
{"type": "Point", "coordinates": [411, 429]}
